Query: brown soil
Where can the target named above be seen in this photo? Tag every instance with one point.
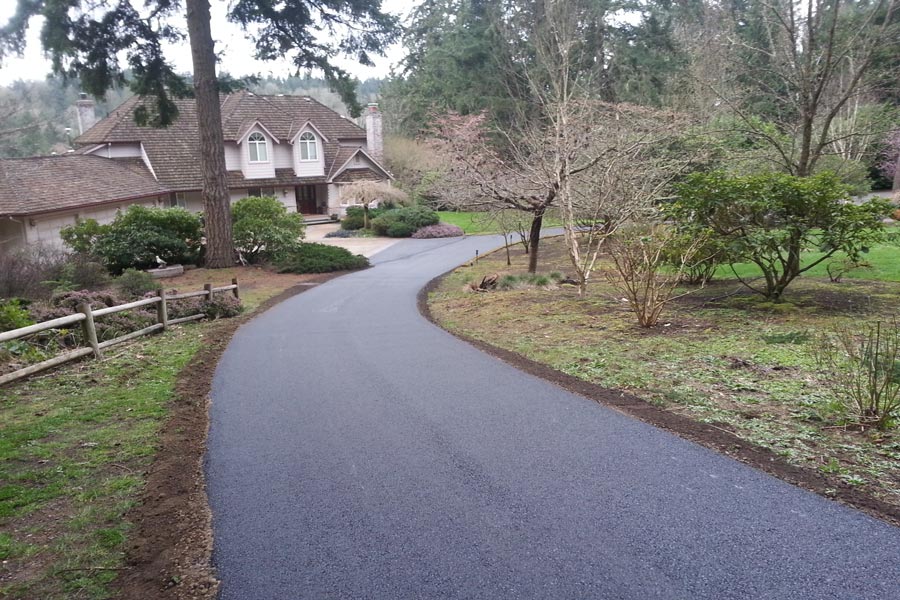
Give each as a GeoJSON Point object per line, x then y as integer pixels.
{"type": "Point", "coordinates": [170, 547]}
{"type": "Point", "coordinates": [707, 435]}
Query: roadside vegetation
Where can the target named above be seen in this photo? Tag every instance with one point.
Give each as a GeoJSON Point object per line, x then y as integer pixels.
{"type": "Point", "coordinates": [722, 354]}
{"type": "Point", "coordinates": [75, 446]}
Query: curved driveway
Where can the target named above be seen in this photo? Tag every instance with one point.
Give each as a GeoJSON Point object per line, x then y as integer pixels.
{"type": "Point", "coordinates": [357, 451]}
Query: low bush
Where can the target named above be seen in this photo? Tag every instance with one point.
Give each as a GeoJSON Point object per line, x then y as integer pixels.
{"type": "Point", "coordinates": [140, 234]}
{"type": "Point", "coordinates": [417, 216]}
{"type": "Point", "coordinates": [264, 229]}
{"type": "Point", "coordinates": [29, 272]}
{"type": "Point", "coordinates": [320, 258]}
{"type": "Point", "coordinates": [511, 282]}
{"type": "Point", "coordinates": [399, 229]}
{"type": "Point", "coordinates": [13, 315]}
{"type": "Point", "coordinates": [355, 218]}
{"type": "Point", "coordinates": [403, 222]}
{"type": "Point", "coordinates": [343, 233]}
{"type": "Point", "coordinates": [864, 366]}
{"type": "Point", "coordinates": [108, 326]}
{"type": "Point", "coordinates": [441, 230]}
{"type": "Point", "coordinates": [222, 306]}
{"type": "Point", "coordinates": [133, 283]}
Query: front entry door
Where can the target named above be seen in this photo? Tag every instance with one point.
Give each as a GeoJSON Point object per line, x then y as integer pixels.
{"type": "Point", "coordinates": [306, 199]}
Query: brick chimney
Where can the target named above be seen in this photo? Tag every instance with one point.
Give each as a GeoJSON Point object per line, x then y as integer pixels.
{"type": "Point", "coordinates": [84, 107]}
{"type": "Point", "coordinates": [374, 135]}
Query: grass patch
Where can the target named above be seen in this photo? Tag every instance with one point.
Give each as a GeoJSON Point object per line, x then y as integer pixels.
{"type": "Point", "coordinates": [474, 223]}
{"type": "Point", "coordinates": [75, 445]}
{"type": "Point", "coordinates": [722, 356]}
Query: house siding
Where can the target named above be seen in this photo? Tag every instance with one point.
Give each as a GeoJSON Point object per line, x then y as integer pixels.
{"type": "Point", "coordinates": [12, 235]}
{"type": "Point", "coordinates": [233, 157]}
{"type": "Point", "coordinates": [261, 170]}
{"type": "Point", "coordinates": [120, 150]}
{"type": "Point", "coordinates": [309, 168]}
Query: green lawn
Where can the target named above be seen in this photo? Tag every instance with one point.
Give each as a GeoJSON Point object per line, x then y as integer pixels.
{"type": "Point", "coordinates": [475, 223]}
{"type": "Point", "coordinates": [883, 261]}
{"type": "Point", "coordinates": [73, 449]}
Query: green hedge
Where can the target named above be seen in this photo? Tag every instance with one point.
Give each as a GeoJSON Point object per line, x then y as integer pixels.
{"type": "Point", "coordinates": [320, 258]}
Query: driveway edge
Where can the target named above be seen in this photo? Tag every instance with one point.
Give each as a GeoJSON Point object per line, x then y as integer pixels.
{"type": "Point", "coordinates": [706, 435]}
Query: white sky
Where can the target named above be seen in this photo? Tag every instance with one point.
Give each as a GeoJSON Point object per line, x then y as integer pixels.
{"type": "Point", "coordinates": [230, 40]}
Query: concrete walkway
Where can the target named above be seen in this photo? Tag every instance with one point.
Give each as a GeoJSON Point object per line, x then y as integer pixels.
{"type": "Point", "coordinates": [358, 451]}
{"type": "Point", "coordinates": [368, 247]}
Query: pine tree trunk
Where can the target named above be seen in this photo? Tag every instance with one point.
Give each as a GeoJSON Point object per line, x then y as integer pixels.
{"type": "Point", "coordinates": [216, 201]}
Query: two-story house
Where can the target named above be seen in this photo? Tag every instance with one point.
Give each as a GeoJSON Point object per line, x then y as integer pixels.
{"type": "Point", "coordinates": [289, 147]}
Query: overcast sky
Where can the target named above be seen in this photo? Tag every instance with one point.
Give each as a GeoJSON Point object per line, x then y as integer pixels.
{"type": "Point", "coordinates": [230, 40]}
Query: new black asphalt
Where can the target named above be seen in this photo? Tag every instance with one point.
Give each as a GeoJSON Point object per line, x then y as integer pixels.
{"type": "Point", "coordinates": [358, 451]}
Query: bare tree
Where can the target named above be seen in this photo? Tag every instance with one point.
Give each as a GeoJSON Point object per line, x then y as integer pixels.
{"type": "Point", "coordinates": [608, 162]}
{"type": "Point", "coordinates": [793, 77]}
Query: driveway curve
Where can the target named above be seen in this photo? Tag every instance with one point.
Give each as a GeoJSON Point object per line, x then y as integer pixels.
{"type": "Point", "coordinates": [358, 451]}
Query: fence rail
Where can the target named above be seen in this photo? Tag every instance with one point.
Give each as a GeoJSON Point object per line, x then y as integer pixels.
{"type": "Point", "coordinates": [86, 316]}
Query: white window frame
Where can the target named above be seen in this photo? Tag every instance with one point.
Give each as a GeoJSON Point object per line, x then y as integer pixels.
{"type": "Point", "coordinates": [178, 199]}
{"type": "Point", "coordinates": [309, 144]}
{"type": "Point", "coordinates": [254, 141]}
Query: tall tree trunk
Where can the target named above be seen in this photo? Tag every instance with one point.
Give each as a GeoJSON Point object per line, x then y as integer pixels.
{"type": "Point", "coordinates": [216, 201]}
{"type": "Point", "coordinates": [535, 239]}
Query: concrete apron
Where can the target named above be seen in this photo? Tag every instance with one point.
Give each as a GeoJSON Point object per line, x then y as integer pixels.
{"type": "Point", "coordinates": [365, 246]}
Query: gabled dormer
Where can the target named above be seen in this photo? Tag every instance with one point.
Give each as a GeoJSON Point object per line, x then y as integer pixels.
{"type": "Point", "coordinates": [309, 151]}
{"type": "Point", "coordinates": [257, 148]}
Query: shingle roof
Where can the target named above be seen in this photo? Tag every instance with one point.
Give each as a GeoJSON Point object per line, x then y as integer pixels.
{"type": "Point", "coordinates": [49, 183]}
{"type": "Point", "coordinates": [173, 151]}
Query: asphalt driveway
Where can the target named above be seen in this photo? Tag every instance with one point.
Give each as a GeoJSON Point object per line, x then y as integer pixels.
{"type": "Point", "coordinates": [358, 451]}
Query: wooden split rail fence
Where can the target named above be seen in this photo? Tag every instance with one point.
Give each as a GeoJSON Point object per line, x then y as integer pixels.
{"type": "Point", "coordinates": [86, 315]}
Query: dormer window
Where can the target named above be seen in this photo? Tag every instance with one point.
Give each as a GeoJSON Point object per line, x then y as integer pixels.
{"type": "Point", "coordinates": [258, 148]}
{"type": "Point", "coordinates": [308, 148]}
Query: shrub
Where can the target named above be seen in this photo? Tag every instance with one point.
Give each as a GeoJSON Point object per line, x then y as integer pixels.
{"type": "Point", "coordinates": [706, 256]}
{"type": "Point", "coordinates": [417, 216]}
{"type": "Point", "coordinates": [441, 230]}
{"type": "Point", "coordinates": [183, 307]}
{"type": "Point", "coordinates": [771, 219]}
{"type": "Point", "coordinates": [865, 367]}
{"type": "Point", "coordinates": [137, 236]}
{"type": "Point", "coordinates": [399, 229]}
{"type": "Point", "coordinates": [222, 306]}
{"type": "Point", "coordinates": [264, 229]}
{"type": "Point", "coordinates": [319, 258]}
{"type": "Point", "coordinates": [352, 222]}
{"type": "Point", "coordinates": [342, 233]}
{"type": "Point", "coordinates": [133, 283]}
{"type": "Point", "coordinates": [108, 326]}
{"type": "Point", "coordinates": [410, 219]}
{"type": "Point", "coordinates": [638, 254]}
{"type": "Point", "coordinates": [26, 273]}
{"type": "Point", "coordinates": [13, 315]}
{"type": "Point", "coordinates": [83, 235]}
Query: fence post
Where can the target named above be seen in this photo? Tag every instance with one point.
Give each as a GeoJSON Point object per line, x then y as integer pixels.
{"type": "Point", "coordinates": [162, 311]}
{"type": "Point", "coordinates": [207, 287]}
{"type": "Point", "coordinates": [90, 330]}
{"type": "Point", "coordinates": [235, 291]}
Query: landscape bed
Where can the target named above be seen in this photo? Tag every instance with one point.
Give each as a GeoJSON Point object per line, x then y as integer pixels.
{"type": "Point", "coordinates": [101, 492]}
{"type": "Point", "coordinates": [730, 363]}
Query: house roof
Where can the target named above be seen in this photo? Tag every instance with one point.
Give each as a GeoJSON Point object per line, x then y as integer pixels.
{"type": "Point", "coordinates": [49, 183]}
{"type": "Point", "coordinates": [173, 150]}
